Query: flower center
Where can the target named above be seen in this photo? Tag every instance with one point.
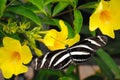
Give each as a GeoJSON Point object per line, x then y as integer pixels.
{"type": "Point", "coordinates": [105, 16]}
{"type": "Point", "coordinates": [15, 58]}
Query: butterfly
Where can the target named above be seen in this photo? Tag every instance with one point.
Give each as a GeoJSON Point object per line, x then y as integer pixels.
{"type": "Point", "coordinates": [79, 52]}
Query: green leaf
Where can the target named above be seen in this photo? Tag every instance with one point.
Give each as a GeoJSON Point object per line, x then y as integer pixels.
{"type": "Point", "coordinates": [78, 20]}
{"type": "Point", "coordinates": [93, 33]}
{"type": "Point", "coordinates": [105, 69]}
{"type": "Point", "coordinates": [71, 33]}
{"type": "Point", "coordinates": [70, 69]}
{"type": "Point", "coordinates": [109, 62]}
{"type": "Point", "coordinates": [88, 5]}
{"type": "Point", "coordinates": [49, 1]}
{"type": "Point", "coordinates": [2, 6]}
{"type": "Point", "coordinates": [73, 3]}
{"type": "Point", "coordinates": [59, 7]}
{"type": "Point", "coordinates": [39, 4]}
{"type": "Point", "coordinates": [53, 22]}
{"type": "Point", "coordinates": [33, 8]}
{"type": "Point", "coordinates": [94, 77]}
{"type": "Point", "coordinates": [49, 10]}
{"type": "Point", "coordinates": [25, 12]}
{"type": "Point", "coordinates": [65, 78]}
{"type": "Point", "coordinates": [45, 74]}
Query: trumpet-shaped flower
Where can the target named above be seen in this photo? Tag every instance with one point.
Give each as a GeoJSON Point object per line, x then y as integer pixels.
{"type": "Point", "coordinates": [13, 56]}
{"type": "Point", "coordinates": [106, 17]}
{"type": "Point", "coordinates": [55, 40]}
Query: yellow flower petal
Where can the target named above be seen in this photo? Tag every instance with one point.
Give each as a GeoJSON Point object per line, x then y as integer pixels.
{"type": "Point", "coordinates": [20, 69]}
{"type": "Point", "coordinates": [106, 17]}
{"type": "Point", "coordinates": [7, 72]}
{"type": "Point", "coordinates": [12, 69]}
{"type": "Point", "coordinates": [50, 38]}
{"type": "Point", "coordinates": [108, 31]}
{"type": "Point", "coordinates": [58, 45]}
{"type": "Point", "coordinates": [74, 40]}
{"type": "Point", "coordinates": [26, 54]}
{"type": "Point", "coordinates": [116, 22]}
{"type": "Point", "coordinates": [64, 31]}
{"type": "Point", "coordinates": [94, 22]}
{"type": "Point", "coordinates": [12, 59]}
{"type": "Point", "coordinates": [4, 55]}
{"type": "Point", "coordinates": [8, 69]}
{"type": "Point", "coordinates": [62, 45]}
{"type": "Point", "coordinates": [55, 40]}
{"type": "Point", "coordinates": [114, 5]}
{"type": "Point", "coordinates": [8, 44]}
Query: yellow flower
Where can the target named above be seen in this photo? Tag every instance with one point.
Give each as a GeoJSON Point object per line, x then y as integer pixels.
{"type": "Point", "coordinates": [55, 40]}
{"type": "Point", "coordinates": [13, 56]}
{"type": "Point", "coordinates": [106, 17]}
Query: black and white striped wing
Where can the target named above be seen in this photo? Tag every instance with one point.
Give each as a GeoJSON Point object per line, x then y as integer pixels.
{"type": "Point", "coordinates": [78, 53]}
{"type": "Point", "coordinates": [56, 60]}
{"type": "Point", "coordinates": [82, 51]}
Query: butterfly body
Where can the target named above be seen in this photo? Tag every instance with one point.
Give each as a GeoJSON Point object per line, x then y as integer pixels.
{"type": "Point", "coordinates": [77, 53]}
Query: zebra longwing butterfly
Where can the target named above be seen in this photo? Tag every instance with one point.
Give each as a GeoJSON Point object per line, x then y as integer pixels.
{"type": "Point", "coordinates": [77, 53]}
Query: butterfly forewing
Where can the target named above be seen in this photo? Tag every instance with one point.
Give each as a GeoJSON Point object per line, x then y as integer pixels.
{"type": "Point", "coordinates": [82, 51]}
{"type": "Point", "coordinates": [78, 53]}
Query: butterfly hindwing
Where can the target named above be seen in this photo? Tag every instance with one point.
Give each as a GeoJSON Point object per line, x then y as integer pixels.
{"type": "Point", "coordinates": [53, 60]}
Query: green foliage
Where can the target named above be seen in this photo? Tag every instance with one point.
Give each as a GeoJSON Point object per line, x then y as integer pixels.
{"type": "Point", "coordinates": [78, 20]}
{"type": "Point", "coordinates": [39, 4]}
{"type": "Point", "coordinates": [2, 6]}
{"type": "Point", "coordinates": [109, 62]}
{"type": "Point", "coordinates": [45, 14]}
{"type": "Point", "coordinates": [25, 12]}
{"type": "Point", "coordinates": [105, 69]}
{"type": "Point", "coordinates": [59, 7]}
{"type": "Point", "coordinates": [46, 74]}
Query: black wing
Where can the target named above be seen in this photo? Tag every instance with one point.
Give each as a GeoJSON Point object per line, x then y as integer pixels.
{"type": "Point", "coordinates": [56, 60]}
{"type": "Point", "coordinates": [82, 51]}
{"type": "Point", "coordinates": [78, 53]}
